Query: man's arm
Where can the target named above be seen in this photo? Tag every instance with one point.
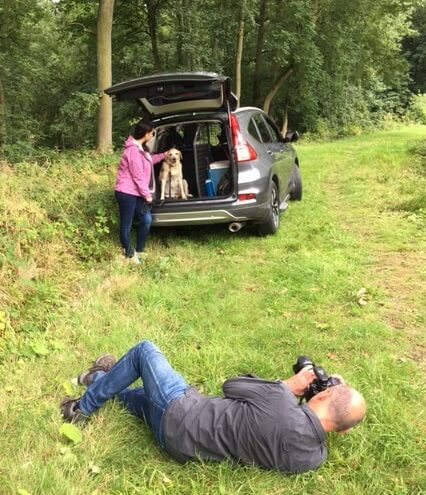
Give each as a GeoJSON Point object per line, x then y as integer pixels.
{"type": "Point", "coordinates": [300, 382]}
{"type": "Point", "coordinates": [246, 388]}
{"type": "Point", "coordinates": [250, 387]}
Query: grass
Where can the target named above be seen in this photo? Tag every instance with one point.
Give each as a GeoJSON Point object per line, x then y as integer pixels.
{"type": "Point", "coordinates": [218, 305]}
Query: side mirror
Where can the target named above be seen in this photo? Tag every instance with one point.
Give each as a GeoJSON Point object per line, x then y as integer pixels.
{"type": "Point", "coordinates": [291, 136]}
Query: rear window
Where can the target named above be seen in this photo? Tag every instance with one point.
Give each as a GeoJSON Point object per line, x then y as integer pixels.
{"type": "Point", "coordinates": [165, 94]}
{"type": "Point", "coordinates": [252, 129]}
{"type": "Point", "coordinates": [265, 135]}
{"type": "Point", "coordinates": [273, 130]}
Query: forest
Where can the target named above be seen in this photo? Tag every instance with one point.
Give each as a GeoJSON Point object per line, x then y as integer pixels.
{"type": "Point", "coordinates": [327, 68]}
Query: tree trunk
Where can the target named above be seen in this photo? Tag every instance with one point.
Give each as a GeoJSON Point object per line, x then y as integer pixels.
{"type": "Point", "coordinates": [259, 49]}
{"type": "Point", "coordinates": [104, 29]}
{"type": "Point", "coordinates": [183, 58]}
{"type": "Point", "coordinates": [180, 16]}
{"type": "Point", "coordinates": [151, 9]}
{"type": "Point", "coordinates": [275, 87]}
{"type": "Point", "coordinates": [239, 53]}
{"type": "Point", "coordinates": [2, 116]}
{"type": "Point", "coordinates": [284, 127]}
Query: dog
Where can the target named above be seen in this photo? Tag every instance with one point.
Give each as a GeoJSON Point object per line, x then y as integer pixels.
{"type": "Point", "coordinates": [173, 185]}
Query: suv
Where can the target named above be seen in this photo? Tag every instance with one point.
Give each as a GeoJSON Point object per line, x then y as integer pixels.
{"type": "Point", "coordinates": [239, 168]}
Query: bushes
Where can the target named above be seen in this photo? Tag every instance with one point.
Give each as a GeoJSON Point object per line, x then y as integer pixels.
{"type": "Point", "coordinates": [53, 218]}
{"type": "Point", "coordinates": [417, 109]}
{"type": "Point", "coordinates": [76, 123]}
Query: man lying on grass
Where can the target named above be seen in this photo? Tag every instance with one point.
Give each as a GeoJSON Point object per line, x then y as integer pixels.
{"type": "Point", "coordinates": [256, 422]}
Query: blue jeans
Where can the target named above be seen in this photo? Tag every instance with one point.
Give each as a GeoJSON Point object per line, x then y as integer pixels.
{"type": "Point", "coordinates": [130, 206]}
{"type": "Point", "coordinates": [161, 386]}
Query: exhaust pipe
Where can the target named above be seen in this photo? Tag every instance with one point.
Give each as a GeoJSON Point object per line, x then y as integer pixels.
{"type": "Point", "coordinates": [235, 226]}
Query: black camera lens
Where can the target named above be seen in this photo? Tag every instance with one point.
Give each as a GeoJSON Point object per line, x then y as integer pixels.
{"type": "Point", "coordinates": [322, 380]}
{"type": "Point", "coordinates": [302, 362]}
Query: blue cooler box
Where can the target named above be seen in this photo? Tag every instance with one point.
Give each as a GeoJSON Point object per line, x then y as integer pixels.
{"type": "Point", "coordinates": [217, 171]}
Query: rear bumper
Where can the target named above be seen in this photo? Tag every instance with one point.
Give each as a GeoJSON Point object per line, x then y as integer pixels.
{"type": "Point", "coordinates": [213, 215]}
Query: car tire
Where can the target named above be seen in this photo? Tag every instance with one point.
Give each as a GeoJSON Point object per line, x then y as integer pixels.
{"type": "Point", "coordinates": [272, 221]}
{"type": "Point", "coordinates": [297, 189]}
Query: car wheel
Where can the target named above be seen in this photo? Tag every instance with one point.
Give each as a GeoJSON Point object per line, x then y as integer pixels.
{"type": "Point", "coordinates": [272, 220]}
{"type": "Point", "coordinates": [296, 179]}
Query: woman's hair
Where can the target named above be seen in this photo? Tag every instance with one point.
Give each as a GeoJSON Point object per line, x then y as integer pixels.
{"type": "Point", "coordinates": [142, 127]}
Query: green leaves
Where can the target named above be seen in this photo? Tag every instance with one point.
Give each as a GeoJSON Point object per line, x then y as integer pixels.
{"type": "Point", "coordinates": [39, 348]}
{"type": "Point", "coordinates": [71, 433]}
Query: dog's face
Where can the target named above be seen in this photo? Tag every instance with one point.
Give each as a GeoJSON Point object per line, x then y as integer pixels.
{"type": "Point", "coordinates": [173, 156]}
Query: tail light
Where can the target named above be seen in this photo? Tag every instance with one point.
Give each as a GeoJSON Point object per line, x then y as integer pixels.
{"type": "Point", "coordinates": [246, 197]}
{"type": "Point", "coordinates": [243, 152]}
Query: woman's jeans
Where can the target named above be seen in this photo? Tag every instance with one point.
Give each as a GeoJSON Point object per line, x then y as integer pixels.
{"type": "Point", "coordinates": [161, 386]}
{"type": "Point", "coordinates": [129, 207]}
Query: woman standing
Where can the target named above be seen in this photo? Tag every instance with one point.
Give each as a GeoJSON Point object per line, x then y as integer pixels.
{"type": "Point", "coordinates": [132, 188]}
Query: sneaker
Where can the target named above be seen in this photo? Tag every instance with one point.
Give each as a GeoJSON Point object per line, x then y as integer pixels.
{"type": "Point", "coordinates": [103, 363]}
{"type": "Point", "coordinates": [142, 256]}
{"type": "Point", "coordinates": [70, 410]}
{"type": "Point", "coordinates": [135, 259]}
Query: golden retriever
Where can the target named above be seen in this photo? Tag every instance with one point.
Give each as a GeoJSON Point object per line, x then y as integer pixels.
{"type": "Point", "coordinates": [173, 185]}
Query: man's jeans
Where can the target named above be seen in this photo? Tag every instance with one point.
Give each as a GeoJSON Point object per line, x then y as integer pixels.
{"type": "Point", "coordinates": [130, 206]}
{"type": "Point", "coordinates": [161, 386]}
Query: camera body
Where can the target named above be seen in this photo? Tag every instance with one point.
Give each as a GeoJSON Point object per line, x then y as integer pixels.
{"type": "Point", "coordinates": [322, 380]}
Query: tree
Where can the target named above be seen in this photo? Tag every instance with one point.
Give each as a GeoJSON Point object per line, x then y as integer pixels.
{"type": "Point", "coordinates": [414, 46]}
{"type": "Point", "coordinates": [239, 51]}
{"type": "Point", "coordinates": [104, 28]}
{"type": "Point", "coordinates": [261, 33]}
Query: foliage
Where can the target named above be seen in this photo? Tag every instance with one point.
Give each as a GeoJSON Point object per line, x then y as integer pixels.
{"type": "Point", "coordinates": [414, 48]}
{"type": "Point", "coordinates": [81, 108]}
{"type": "Point", "coordinates": [418, 108]}
{"type": "Point", "coordinates": [347, 68]}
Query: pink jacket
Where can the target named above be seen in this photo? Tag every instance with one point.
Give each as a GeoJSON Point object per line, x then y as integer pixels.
{"type": "Point", "coordinates": [135, 169]}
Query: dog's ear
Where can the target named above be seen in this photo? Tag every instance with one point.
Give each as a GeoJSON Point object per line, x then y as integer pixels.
{"type": "Point", "coordinates": [180, 154]}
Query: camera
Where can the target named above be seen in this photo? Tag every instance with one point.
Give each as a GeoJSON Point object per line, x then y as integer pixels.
{"type": "Point", "coordinates": [322, 380]}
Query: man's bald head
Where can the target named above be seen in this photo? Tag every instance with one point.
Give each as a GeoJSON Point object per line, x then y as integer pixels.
{"type": "Point", "coordinates": [338, 408]}
{"type": "Point", "coordinates": [346, 407]}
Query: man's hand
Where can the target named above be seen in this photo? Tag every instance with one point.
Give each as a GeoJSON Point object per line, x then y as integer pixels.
{"type": "Point", "coordinates": [342, 381]}
{"type": "Point", "coordinates": [299, 383]}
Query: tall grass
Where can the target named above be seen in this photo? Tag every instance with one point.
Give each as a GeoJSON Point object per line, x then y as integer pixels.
{"type": "Point", "coordinates": [218, 305]}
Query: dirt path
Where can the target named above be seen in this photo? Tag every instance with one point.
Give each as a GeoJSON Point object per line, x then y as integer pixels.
{"type": "Point", "coordinates": [400, 275]}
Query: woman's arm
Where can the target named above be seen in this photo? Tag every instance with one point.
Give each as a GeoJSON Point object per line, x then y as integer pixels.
{"type": "Point", "coordinates": [158, 157]}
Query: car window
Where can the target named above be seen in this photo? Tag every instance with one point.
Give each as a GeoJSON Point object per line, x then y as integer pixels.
{"type": "Point", "coordinates": [273, 129]}
{"type": "Point", "coordinates": [265, 135]}
{"type": "Point", "coordinates": [209, 133]}
{"type": "Point", "coordinates": [252, 129]}
{"type": "Point", "coordinates": [215, 134]}
{"type": "Point", "coordinates": [203, 134]}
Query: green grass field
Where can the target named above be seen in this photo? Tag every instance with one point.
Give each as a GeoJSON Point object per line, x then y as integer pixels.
{"type": "Point", "coordinates": [218, 305]}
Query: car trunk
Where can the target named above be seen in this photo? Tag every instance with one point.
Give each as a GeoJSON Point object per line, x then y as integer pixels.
{"type": "Point", "coordinates": [203, 138]}
{"type": "Point", "coordinates": [207, 163]}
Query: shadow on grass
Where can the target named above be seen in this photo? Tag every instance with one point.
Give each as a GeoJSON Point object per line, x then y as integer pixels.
{"type": "Point", "coordinates": [201, 234]}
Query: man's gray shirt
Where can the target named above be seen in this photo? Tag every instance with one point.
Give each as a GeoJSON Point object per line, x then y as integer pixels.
{"type": "Point", "coordinates": [256, 422]}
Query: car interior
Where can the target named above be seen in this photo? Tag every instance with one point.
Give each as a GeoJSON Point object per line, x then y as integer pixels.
{"type": "Point", "coordinates": [205, 156]}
